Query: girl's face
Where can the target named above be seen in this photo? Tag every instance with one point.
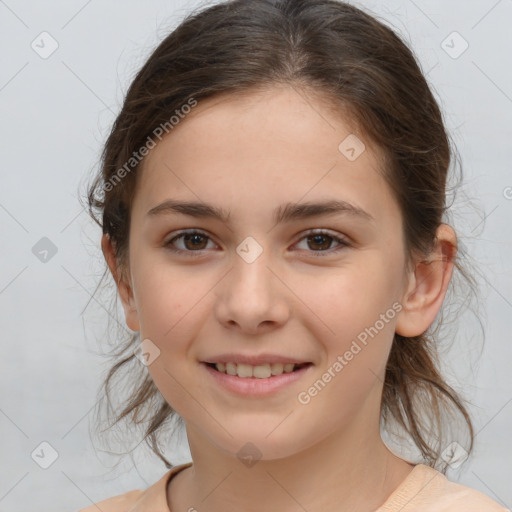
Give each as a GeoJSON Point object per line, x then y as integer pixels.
{"type": "Point", "coordinates": [248, 285]}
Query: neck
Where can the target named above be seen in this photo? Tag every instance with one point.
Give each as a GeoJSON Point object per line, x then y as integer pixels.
{"type": "Point", "coordinates": [350, 470]}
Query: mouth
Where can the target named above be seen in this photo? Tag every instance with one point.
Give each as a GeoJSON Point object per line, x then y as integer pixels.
{"type": "Point", "coordinates": [263, 371]}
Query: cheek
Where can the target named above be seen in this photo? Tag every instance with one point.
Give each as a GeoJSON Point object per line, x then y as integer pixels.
{"type": "Point", "coordinates": [351, 300]}
{"type": "Point", "coordinates": [171, 303]}
{"type": "Point", "coordinates": [355, 319]}
{"type": "Point", "coordinates": [166, 295]}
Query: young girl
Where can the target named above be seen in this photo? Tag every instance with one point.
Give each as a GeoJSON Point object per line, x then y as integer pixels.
{"type": "Point", "coordinates": [271, 197]}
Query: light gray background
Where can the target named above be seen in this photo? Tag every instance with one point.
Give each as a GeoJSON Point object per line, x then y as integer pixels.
{"type": "Point", "coordinates": [56, 112]}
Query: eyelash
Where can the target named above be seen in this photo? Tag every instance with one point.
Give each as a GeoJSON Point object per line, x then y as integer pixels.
{"type": "Point", "coordinates": [343, 243]}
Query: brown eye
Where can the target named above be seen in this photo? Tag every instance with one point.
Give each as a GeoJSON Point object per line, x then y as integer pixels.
{"type": "Point", "coordinates": [319, 242]}
{"type": "Point", "coordinates": [190, 241]}
{"type": "Point", "coordinates": [194, 241]}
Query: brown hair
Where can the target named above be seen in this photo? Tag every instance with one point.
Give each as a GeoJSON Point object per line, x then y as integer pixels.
{"type": "Point", "coordinates": [356, 63]}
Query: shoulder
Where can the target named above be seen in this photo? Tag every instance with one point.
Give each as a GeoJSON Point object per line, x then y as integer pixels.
{"type": "Point", "coordinates": [460, 497]}
{"type": "Point", "coordinates": [120, 503]}
{"type": "Point", "coordinates": [154, 497]}
{"type": "Point", "coordinates": [429, 490]}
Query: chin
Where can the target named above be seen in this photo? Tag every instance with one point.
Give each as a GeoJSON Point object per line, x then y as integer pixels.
{"type": "Point", "coordinates": [253, 445]}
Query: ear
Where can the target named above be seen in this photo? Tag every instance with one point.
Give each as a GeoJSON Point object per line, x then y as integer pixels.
{"type": "Point", "coordinates": [124, 288]}
{"type": "Point", "coordinates": [427, 285]}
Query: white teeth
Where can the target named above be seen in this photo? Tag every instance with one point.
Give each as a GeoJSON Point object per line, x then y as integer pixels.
{"type": "Point", "coordinates": [263, 371]}
{"type": "Point", "coordinates": [277, 368]}
{"type": "Point", "coordinates": [244, 370]}
{"type": "Point", "coordinates": [231, 369]}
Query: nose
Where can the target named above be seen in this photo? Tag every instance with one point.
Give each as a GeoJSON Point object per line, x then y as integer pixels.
{"type": "Point", "coordinates": [252, 297]}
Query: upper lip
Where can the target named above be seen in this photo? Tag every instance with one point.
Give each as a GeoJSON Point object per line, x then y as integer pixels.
{"type": "Point", "coordinates": [254, 360]}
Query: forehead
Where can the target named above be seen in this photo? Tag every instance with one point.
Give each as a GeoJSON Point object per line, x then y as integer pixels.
{"type": "Point", "coordinates": [277, 144]}
{"type": "Point", "coordinates": [266, 122]}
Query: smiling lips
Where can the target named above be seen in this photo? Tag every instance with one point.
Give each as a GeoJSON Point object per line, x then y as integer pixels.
{"type": "Point", "coordinates": [260, 366]}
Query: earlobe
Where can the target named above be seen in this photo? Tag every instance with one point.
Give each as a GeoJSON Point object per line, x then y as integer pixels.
{"type": "Point", "coordinates": [427, 286]}
{"type": "Point", "coordinates": [124, 289]}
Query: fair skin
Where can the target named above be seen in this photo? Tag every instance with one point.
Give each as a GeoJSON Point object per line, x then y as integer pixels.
{"type": "Point", "coordinates": [249, 155]}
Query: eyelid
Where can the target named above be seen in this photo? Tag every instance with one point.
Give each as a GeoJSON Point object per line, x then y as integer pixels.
{"type": "Point", "coordinates": [342, 240]}
{"type": "Point", "coordinates": [324, 231]}
{"type": "Point", "coordinates": [181, 233]}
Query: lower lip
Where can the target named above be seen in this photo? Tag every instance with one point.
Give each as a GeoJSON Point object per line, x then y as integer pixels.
{"type": "Point", "coordinates": [253, 386]}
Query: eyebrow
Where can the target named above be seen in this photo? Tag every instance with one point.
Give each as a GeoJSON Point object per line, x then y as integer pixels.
{"type": "Point", "coordinates": [284, 213]}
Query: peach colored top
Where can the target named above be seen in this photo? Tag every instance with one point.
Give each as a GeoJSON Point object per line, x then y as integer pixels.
{"type": "Point", "coordinates": [424, 490]}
